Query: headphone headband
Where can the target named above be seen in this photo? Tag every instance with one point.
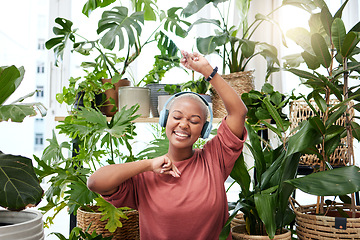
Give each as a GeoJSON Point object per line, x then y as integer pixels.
{"type": "Point", "coordinates": [165, 113]}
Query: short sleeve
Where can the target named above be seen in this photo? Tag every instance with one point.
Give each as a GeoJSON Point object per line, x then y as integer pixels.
{"type": "Point", "coordinates": [225, 148]}
{"type": "Point", "coordinates": [125, 196]}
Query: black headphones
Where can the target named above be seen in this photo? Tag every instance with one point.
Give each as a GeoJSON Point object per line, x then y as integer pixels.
{"type": "Point", "coordinates": [205, 132]}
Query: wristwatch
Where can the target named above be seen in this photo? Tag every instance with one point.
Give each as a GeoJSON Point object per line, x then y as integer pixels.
{"type": "Point", "coordinates": [212, 74]}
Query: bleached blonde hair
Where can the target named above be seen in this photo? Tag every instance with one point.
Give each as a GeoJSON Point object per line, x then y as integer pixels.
{"type": "Point", "coordinates": [204, 108]}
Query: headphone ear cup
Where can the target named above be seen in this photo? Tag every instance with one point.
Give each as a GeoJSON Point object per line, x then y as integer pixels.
{"type": "Point", "coordinates": [163, 117]}
{"type": "Point", "coordinates": [205, 132]}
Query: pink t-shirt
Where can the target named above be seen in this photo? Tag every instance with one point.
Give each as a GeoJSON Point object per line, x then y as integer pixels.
{"type": "Point", "coordinates": [193, 206]}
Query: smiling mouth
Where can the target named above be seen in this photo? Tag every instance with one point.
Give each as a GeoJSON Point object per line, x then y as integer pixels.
{"type": "Point", "coordinates": [181, 134]}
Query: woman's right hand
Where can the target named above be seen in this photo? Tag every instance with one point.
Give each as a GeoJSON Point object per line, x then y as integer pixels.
{"type": "Point", "coordinates": [163, 165]}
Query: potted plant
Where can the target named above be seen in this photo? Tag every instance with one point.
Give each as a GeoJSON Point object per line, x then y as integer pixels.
{"type": "Point", "coordinates": [98, 141]}
{"type": "Point", "coordinates": [266, 205]}
{"type": "Point", "coordinates": [19, 186]}
{"type": "Point", "coordinates": [328, 52]}
{"type": "Point", "coordinates": [233, 43]}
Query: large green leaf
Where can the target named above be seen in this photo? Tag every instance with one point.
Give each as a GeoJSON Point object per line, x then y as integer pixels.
{"type": "Point", "coordinates": [355, 130]}
{"type": "Point", "coordinates": [16, 112]}
{"type": "Point", "coordinates": [173, 22]}
{"type": "Point", "coordinates": [208, 45]}
{"type": "Point", "coordinates": [256, 150]}
{"type": "Point", "coordinates": [326, 20]}
{"type": "Point", "coordinates": [350, 42]}
{"type": "Point", "coordinates": [338, 33]}
{"type": "Point", "coordinates": [91, 5]}
{"type": "Point", "coordinates": [339, 181]}
{"type": "Point", "coordinates": [321, 50]}
{"type": "Point", "coordinates": [206, 21]}
{"type": "Point", "coordinates": [149, 8]}
{"type": "Point", "coordinates": [241, 175]}
{"type": "Point", "coordinates": [115, 22]}
{"type": "Point", "coordinates": [10, 79]}
{"type": "Point", "coordinates": [79, 195]}
{"type": "Point", "coordinates": [306, 137]}
{"type": "Point", "coordinates": [311, 61]}
{"type": "Point", "coordinates": [196, 5]}
{"type": "Point", "coordinates": [303, 74]}
{"type": "Point", "coordinates": [266, 205]}
{"type": "Point", "coordinates": [63, 34]}
{"type": "Point", "coordinates": [19, 186]}
{"type": "Point", "coordinates": [111, 213]}
{"type": "Point", "coordinates": [301, 37]}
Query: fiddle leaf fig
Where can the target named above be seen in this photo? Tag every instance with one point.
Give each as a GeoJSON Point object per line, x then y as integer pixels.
{"type": "Point", "coordinates": [19, 186]}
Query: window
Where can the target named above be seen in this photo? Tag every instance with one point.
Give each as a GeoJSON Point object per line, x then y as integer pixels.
{"type": "Point", "coordinates": [41, 44]}
{"type": "Point", "coordinates": [39, 139]}
{"type": "Point", "coordinates": [40, 91]}
{"type": "Point", "coordinates": [40, 67]}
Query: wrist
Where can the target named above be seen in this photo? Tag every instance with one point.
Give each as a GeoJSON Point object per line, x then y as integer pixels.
{"type": "Point", "coordinates": [212, 75]}
{"type": "Point", "coordinates": [207, 70]}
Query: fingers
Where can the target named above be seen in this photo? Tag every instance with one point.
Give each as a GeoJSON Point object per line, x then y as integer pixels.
{"type": "Point", "coordinates": [169, 168]}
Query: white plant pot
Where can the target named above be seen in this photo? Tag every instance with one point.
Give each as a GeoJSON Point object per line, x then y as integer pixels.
{"type": "Point", "coordinates": [129, 96]}
{"type": "Point", "coordinates": [162, 100]}
{"type": "Point", "coordinates": [24, 225]}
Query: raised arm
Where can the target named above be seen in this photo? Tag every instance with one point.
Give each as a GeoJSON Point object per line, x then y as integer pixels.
{"type": "Point", "coordinates": [107, 179]}
{"type": "Point", "coordinates": [236, 109]}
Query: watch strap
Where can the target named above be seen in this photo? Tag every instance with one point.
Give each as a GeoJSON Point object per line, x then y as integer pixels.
{"type": "Point", "coordinates": [212, 74]}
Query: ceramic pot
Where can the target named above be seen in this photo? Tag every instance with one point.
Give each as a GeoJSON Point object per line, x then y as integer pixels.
{"type": "Point", "coordinates": [25, 225]}
{"type": "Point", "coordinates": [129, 96]}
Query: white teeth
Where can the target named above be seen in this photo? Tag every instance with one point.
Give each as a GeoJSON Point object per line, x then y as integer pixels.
{"type": "Point", "coordinates": [181, 134]}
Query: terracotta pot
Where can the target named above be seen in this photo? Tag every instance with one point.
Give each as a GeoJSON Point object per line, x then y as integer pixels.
{"type": "Point", "coordinates": [113, 93]}
{"type": "Point", "coordinates": [239, 233]}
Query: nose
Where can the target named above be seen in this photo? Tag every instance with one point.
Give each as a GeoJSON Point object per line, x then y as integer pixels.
{"type": "Point", "coordinates": [183, 123]}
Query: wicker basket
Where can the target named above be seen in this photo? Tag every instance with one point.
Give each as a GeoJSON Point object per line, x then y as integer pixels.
{"type": "Point", "coordinates": [129, 230]}
{"type": "Point", "coordinates": [300, 111]}
{"type": "Point", "coordinates": [311, 226]}
{"type": "Point", "coordinates": [239, 233]}
{"type": "Point", "coordinates": [240, 81]}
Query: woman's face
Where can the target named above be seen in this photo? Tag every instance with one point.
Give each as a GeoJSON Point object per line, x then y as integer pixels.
{"type": "Point", "coordinates": [185, 122]}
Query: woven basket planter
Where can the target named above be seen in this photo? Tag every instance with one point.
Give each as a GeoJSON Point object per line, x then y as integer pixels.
{"type": "Point", "coordinates": [300, 111]}
{"type": "Point", "coordinates": [311, 226]}
{"type": "Point", "coordinates": [239, 233]}
{"type": "Point", "coordinates": [240, 81]}
{"type": "Point", "coordinates": [129, 230]}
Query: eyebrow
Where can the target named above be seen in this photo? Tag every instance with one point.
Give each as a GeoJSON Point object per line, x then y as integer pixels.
{"type": "Point", "coordinates": [195, 115]}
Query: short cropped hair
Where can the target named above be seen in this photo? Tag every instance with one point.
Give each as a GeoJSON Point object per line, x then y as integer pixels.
{"type": "Point", "coordinates": [204, 108]}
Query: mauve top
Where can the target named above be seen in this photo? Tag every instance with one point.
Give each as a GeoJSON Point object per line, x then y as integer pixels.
{"type": "Point", "coordinates": [193, 206]}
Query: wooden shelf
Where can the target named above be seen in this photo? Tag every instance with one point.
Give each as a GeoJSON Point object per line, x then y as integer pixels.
{"type": "Point", "coordinates": [138, 120]}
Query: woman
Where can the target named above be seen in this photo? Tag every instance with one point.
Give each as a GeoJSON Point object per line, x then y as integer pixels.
{"type": "Point", "coordinates": [181, 195]}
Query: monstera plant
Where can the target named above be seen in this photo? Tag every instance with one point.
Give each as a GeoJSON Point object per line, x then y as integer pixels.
{"type": "Point", "coordinates": [19, 185]}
